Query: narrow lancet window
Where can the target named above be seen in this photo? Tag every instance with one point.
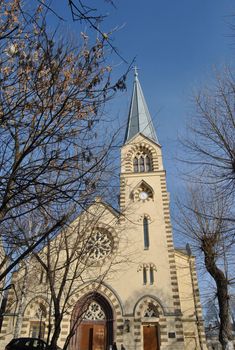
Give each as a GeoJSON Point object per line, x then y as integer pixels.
{"type": "Point", "coordinates": [151, 275]}
{"type": "Point", "coordinates": [146, 233]}
{"type": "Point", "coordinates": [135, 163]}
{"type": "Point", "coordinates": [141, 161]}
{"type": "Point", "coordinates": [144, 275]}
{"type": "Point", "coordinates": [147, 164]}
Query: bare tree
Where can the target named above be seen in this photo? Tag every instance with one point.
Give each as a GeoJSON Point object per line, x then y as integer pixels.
{"type": "Point", "coordinates": [212, 314]}
{"type": "Point", "coordinates": [211, 134]}
{"type": "Point", "coordinates": [208, 212]}
{"type": "Point", "coordinates": [52, 97]}
{"type": "Point", "coordinates": [9, 24]}
{"type": "Point", "coordinates": [85, 253]}
{"type": "Point", "coordinates": [202, 220]}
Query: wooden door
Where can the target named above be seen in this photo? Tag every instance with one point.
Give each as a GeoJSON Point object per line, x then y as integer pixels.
{"type": "Point", "coordinates": [99, 337]}
{"type": "Point", "coordinates": [150, 338]}
{"type": "Point", "coordinates": [92, 337]}
{"type": "Point", "coordinates": [86, 337]}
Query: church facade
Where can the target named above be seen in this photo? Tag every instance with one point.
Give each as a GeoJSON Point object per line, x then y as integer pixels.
{"type": "Point", "coordinates": [151, 300]}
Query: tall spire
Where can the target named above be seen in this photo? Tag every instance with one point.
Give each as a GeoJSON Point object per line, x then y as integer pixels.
{"type": "Point", "coordinates": [139, 119]}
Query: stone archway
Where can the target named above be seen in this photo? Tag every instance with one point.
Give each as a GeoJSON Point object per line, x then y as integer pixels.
{"type": "Point", "coordinates": [150, 312]}
{"type": "Point", "coordinates": [35, 318]}
{"type": "Point", "coordinates": [92, 320]}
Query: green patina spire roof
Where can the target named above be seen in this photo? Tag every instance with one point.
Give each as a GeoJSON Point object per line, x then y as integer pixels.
{"type": "Point", "coordinates": [139, 119]}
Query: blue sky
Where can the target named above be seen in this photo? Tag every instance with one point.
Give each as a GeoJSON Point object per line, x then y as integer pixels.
{"type": "Point", "coordinates": [177, 44]}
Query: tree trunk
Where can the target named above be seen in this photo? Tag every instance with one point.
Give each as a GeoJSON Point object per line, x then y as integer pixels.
{"type": "Point", "coordinates": [57, 330]}
{"type": "Point", "coordinates": [225, 330]}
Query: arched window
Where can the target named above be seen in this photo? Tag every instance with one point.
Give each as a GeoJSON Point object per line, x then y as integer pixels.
{"type": "Point", "coordinates": [146, 233]}
{"type": "Point", "coordinates": [142, 163]}
{"type": "Point", "coordinates": [144, 275]}
{"type": "Point", "coordinates": [147, 164]}
{"type": "Point", "coordinates": [148, 272]}
{"type": "Point", "coordinates": [135, 164]}
{"type": "Point", "coordinates": [151, 275]}
{"type": "Point", "coordinates": [37, 321]}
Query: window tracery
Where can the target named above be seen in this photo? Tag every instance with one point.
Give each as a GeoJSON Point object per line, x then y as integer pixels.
{"type": "Point", "coordinates": [99, 245]}
{"type": "Point", "coordinates": [94, 312]}
{"type": "Point", "coordinates": [142, 162]}
{"type": "Point", "coordinates": [151, 311]}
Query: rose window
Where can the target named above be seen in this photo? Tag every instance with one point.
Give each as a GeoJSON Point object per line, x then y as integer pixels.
{"type": "Point", "coordinates": [94, 312]}
{"type": "Point", "coordinates": [99, 245]}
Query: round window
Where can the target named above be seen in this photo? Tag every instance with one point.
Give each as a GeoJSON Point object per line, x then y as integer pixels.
{"type": "Point", "coordinates": [99, 245]}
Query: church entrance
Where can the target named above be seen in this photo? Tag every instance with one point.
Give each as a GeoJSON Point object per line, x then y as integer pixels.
{"type": "Point", "coordinates": [94, 329]}
{"type": "Point", "coordinates": [92, 336]}
{"type": "Point", "coordinates": [150, 337]}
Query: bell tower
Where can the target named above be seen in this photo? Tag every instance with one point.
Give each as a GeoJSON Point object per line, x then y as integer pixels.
{"type": "Point", "coordinates": [145, 201]}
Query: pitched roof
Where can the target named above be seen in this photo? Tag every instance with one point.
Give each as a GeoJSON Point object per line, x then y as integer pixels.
{"type": "Point", "coordinates": [139, 119]}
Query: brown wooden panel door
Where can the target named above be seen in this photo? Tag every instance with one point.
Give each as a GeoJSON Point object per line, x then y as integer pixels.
{"type": "Point", "coordinates": [99, 337]}
{"type": "Point", "coordinates": [86, 337]}
{"type": "Point", "coordinates": [150, 338]}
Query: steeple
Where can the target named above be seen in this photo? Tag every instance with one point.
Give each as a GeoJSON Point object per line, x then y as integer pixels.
{"type": "Point", "coordinates": [139, 119]}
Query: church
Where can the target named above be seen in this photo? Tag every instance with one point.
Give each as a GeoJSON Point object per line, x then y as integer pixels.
{"type": "Point", "coordinates": [150, 299]}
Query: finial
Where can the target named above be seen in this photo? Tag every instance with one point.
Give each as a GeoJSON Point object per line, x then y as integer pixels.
{"type": "Point", "coordinates": [135, 72]}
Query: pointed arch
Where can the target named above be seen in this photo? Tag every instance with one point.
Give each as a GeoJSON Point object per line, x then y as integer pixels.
{"type": "Point", "coordinates": [37, 302]}
{"type": "Point", "coordinates": [36, 313]}
{"type": "Point", "coordinates": [81, 315]}
{"type": "Point", "coordinates": [142, 186]}
{"type": "Point", "coordinates": [151, 162]}
{"type": "Point", "coordinates": [145, 302]}
{"type": "Point", "coordinates": [106, 292]}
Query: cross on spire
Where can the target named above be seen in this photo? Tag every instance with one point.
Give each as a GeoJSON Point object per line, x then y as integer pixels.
{"type": "Point", "coordinates": [135, 72]}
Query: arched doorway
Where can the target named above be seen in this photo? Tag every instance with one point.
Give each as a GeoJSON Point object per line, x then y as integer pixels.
{"type": "Point", "coordinates": [151, 335]}
{"type": "Point", "coordinates": [92, 319]}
